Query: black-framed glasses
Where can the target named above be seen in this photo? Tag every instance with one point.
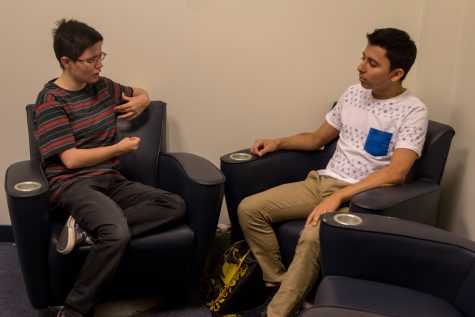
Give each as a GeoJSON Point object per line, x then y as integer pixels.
{"type": "Point", "coordinates": [93, 60]}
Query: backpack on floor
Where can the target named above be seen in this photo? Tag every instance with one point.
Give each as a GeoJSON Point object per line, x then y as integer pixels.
{"type": "Point", "coordinates": [236, 284]}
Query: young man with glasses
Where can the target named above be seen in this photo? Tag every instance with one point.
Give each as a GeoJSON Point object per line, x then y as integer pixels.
{"type": "Point", "coordinates": [381, 128]}
{"type": "Point", "coordinates": [76, 130]}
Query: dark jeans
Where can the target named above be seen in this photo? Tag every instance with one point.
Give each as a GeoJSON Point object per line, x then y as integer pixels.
{"type": "Point", "coordinates": [113, 209]}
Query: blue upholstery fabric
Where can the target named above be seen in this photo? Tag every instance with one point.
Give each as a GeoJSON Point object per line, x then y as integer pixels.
{"type": "Point", "coordinates": [381, 298]}
{"type": "Point", "coordinates": [330, 311]}
{"type": "Point", "coordinates": [395, 267]}
{"type": "Point", "coordinates": [288, 234]}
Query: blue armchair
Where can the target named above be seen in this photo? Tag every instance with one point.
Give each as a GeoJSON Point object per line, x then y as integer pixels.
{"type": "Point", "coordinates": [386, 266]}
{"type": "Point", "coordinates": [170, 261]}
{"type": "Point", "coordinates": [417, 199]}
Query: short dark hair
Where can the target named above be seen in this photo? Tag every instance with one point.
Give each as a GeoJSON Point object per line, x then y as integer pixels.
{"type": "Point", "coordinates": [71, 38]}
{"type": "Point", "coordinates": [400, 49]}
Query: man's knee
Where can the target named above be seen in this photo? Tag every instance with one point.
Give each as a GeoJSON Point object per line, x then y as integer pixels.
{"type": "Point", "coordinates": [309, 237]}
{"type": "Point", "coordinates": [117, 235]}
{"type": "Point", "coordinates": [248, 209]}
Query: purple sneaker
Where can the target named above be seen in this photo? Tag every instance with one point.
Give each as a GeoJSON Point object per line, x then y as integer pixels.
{"type": "Point", "coordinates": [71, 236]}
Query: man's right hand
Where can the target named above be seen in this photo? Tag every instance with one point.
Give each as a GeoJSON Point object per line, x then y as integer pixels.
{"type": "Point", "coordinates": [307, 141]}
{"type": "Point", "coordinates": [74, 158]}
{"type": "Point", "coordinates": [128, 145]}
{"type": "Point", "coordinates": [263, 146]}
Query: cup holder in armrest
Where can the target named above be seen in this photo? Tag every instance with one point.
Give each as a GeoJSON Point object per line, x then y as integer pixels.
{"type": "Point", "coordinates": [240, 156]}
{"type": "Point", "coordinates": [347, 219]}
{"type": "Point", "coordinates": [27, 186]}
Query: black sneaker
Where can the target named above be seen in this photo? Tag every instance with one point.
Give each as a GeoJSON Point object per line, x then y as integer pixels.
{"type": "Point", "coordinates": [261, 310]}
{"type": "Point", "coordinates": [71, 236]}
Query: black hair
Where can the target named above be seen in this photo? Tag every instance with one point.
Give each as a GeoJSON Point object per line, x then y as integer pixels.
{"type": "Point", "coordinates": [71, 38]}
{"type": "Point", "coordinates": [400, 49]}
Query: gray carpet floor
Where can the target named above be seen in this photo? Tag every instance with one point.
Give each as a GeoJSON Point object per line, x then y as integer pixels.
{"type": "Point", "coordinates": [14, 301]}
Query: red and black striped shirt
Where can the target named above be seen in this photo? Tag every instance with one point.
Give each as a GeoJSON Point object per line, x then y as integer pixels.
{"type": "Point", "coordinates": [83, 119]}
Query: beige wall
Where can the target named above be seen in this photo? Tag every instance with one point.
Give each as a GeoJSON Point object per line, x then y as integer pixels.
{"type": "Point", "coordinates": [445, 79]}
{"type": "Point", "coordinates": [230, 70]}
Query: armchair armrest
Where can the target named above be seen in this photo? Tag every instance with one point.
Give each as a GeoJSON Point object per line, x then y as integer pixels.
{"type": "Point", "coordinates": [201, 185]}
{"type": "Point", "coordinates": [273, 169]}
{"type": "Point", "coordinates": [415, 201]}
{"type": "Point", "coordinates": [398, 252]}
{"type": "Point", "coordinates": [256, 174]}
{"type": "Point", "coordinates": [29, 213]}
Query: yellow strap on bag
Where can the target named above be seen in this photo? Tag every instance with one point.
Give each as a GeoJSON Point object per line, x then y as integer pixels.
{"type": "Point", "coordinates": [232, 270]}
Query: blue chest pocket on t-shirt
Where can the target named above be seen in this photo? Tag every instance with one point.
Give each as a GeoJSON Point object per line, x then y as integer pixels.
{"type": "Point", "coordinates": [377, 143]}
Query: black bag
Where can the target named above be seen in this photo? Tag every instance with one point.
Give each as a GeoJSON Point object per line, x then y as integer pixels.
{"type": "Point", "coordinates": [236, 285]}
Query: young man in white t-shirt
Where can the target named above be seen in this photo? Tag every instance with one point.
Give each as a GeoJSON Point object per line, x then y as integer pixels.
{"type": "Point", "coordinates": [381, 128]}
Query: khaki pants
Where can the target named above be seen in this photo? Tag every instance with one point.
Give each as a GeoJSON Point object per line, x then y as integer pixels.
{"type": "Point", "coordinates": [286, 202]}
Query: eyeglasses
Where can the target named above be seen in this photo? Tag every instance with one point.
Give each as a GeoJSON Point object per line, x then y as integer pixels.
{"type": "Point", "coordinates": [93, 60]}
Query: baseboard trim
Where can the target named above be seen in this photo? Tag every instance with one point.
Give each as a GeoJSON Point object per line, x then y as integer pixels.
{"type": "Point", "coordinates": [6, 233]}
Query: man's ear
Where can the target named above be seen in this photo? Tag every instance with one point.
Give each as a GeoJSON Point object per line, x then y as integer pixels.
{"type": "Point", "coordinates": [66, 62]}
{"type": "Point", "coordinates": [396, 74]}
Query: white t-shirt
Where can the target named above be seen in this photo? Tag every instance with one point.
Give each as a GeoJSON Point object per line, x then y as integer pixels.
{"type": "Point", "coordinates": [370, 130]}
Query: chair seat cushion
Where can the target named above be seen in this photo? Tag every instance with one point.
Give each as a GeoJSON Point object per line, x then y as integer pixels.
{"type": "Point", "coordinates": [288, 234]}
{"type": "Point", "coordinates": [380, 298]}
{"type": "Point", "coordinates": [324, 311]}
{"type": "Point", "coordinates": [161, 261]}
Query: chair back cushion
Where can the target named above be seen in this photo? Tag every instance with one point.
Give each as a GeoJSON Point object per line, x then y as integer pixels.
{"type": "Point", "coordinates": [150, 126]}
{"type": "Point", "coordinates": [30, 119]}
{"type": "Point", "coordinates": [430, 166]}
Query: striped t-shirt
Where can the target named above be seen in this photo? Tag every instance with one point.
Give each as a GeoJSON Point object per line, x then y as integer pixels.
{"type": "Point", "coordinates": [83, 119]}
